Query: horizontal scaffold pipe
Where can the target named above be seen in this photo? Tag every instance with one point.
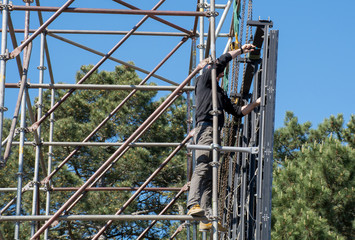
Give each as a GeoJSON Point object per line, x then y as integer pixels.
{"type": "Point", "coordinates": [253, 150]}
{"type": "Point", "coordinates": [102, 144]}
{"type": "Point", "coordinates": [103, 218]}
{"type": "Point", "coordinates": [100, 87]}
{"type": "Point", "coordinates": [60, 189]}
{"type": "Point", "coordinates": [109, 11]}
{"type": "Point", "coordinates": [108, 32]}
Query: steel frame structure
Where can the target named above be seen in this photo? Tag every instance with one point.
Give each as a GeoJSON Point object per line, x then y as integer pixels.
{"type": "Point", "coordinates": [249, 173]}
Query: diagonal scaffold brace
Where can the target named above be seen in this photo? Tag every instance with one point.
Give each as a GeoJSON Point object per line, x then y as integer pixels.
{"type": "Point", "coordinates": [118, 152]}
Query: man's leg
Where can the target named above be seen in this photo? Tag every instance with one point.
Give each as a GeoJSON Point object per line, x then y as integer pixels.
{"type": "Point", "coordinates": [202, 174]}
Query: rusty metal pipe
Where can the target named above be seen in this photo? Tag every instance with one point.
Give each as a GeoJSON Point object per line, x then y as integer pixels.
{"type": "Point", "coordinates": [154, 17]}
{"type": "Point", "coordinates": [107, 11]}
{"type": "Point", "coordinates": [17, 50]}
{"type": "Point", "coordinates": [111, 58]}
{"type": "Point", "coordinates": [88, 74]}
{"type": "Point", "coordinates": [125, 150]}
{"type": "Point", "coordinates": [99, 189]}
{"type": "Point", "coordinates": [116, 109]}
{"type": "Point", "coordinates": [149, 179]}
{"type": "Point", "coordinates": [184, 189]}
{"type": "Point", "coordinates": [26, 61]}
{"type": "Point", "coordinates": [115, 155]}
{"type": "Point", "coordinates": [108, 32]}
{"type": "Point", "coordinates": [100, 87]}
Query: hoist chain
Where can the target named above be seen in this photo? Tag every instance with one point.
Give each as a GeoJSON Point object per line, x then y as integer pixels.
{"type": "Point", "coordinates": [226, 199]}
{"type": "Point", "coordinates": [228, 136]}
{"type": "Point", "coordinates": [246, 36]}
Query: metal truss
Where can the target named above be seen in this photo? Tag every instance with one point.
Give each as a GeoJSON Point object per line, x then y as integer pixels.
{"type": "Point", "coordinates": [246, 206]}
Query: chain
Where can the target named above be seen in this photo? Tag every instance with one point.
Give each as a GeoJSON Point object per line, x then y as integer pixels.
{"type": "Point", "coordinates": [229, 133]}
{"type": "Point", "coordinates": [250, 15]}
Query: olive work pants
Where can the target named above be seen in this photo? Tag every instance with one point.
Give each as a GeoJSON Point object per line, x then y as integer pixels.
{"type": "Point", "coordinates": [201, 181]}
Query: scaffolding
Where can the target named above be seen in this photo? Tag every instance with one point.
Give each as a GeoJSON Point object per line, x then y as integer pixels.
{"type": "Point", "coordinates": [242, 175]}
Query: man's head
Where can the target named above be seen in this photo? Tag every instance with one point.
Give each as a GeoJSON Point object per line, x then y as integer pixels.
{"type": "Point", "coordinates": [209, 66]}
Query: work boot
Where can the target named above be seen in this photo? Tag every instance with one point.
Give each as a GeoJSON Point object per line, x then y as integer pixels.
{"type": "Point", "coordinates": [196, 211]}
{"type": "Point", "coordinates": [208, 226]}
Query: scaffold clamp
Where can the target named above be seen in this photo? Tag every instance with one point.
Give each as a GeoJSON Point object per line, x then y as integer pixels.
{"type": "Point", "coordinates": [254, 150]}
{"type": "Point", "coordinates": [216, 146]}
{"type": "Point", "coordinates": [215, 164]}
{"type": "Point", "coordinates": [215, 112]}
{"type": "Point", "coordinates": [2, 163]}
{"type": "Point", "coordinates": [42, 68]}
{"type": "Point", "coordinates": [3, 109]}
{"type": "Point", "coordinates": [5, 56]}
{"type": "Point", "coordinates": [201, 46]}
{"type": "Point", "coordinates": [202, 5]}
{"type": "Point", "coordinates": [212, 13]}
{"type": "Point", "coordinates": [6, 6]}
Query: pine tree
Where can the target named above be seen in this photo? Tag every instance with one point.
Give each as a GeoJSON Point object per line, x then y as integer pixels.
{"type": "Point", "coordinates": [75, 119]}
{"type": "Point", "coordinates": [313, 184]}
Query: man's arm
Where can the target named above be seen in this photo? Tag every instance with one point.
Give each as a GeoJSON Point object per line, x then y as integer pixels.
{"type": "Point", "coordinates": [246, 109]}
{"type": "Point", "coordinates": [244, 49]}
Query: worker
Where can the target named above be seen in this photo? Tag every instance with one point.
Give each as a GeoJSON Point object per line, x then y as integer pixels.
{"type": "Point", "coordinates": [200, 194]}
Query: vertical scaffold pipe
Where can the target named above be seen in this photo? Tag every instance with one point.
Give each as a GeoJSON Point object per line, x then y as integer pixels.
{"type": "Point", "coordinates": [20, 164]}
{"type": "Point", "coordinates": [38, 147]}
{"type": "Point", "coordinates": [50, 159]}
{"type": "Point", "coordinates": [3, 59]}
{"type": "Point", "coordinates": [22, 95]}
{"type": "Point", "coordinates": [202, 32]}
{"type": "Point", "coordinates": [201, 47]}
{"type": "Point", "coordinates": [215, 124]}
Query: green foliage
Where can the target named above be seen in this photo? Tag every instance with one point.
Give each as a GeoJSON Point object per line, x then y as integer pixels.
{"type": "Point", "coordinates": [75, 119]}
{"type": "Point", "coordinates": [314, 182]}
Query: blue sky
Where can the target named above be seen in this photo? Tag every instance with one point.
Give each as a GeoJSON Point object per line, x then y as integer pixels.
{"type": "Point", "coordinates": [314, 76]}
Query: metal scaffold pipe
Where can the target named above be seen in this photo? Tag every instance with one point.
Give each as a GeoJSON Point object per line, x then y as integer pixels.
{"type": "Point", "coordinates": [107, 32]}
{"type": "Point", "coordinates": [111, 58]}
{"type": "Point", "coordinates": [3, 59]}
{"type": "Point", "coordinates": [215, 124]}
{"type": "Point", "coordinates": [104, 218]}
{"type": "Point", "coordinates": [69, 189]}
{"type": "Point", "coordinates": [149, 179]}
{"type": "Point", "coordinates": [107, 11]}
{"type": "Point", "coordinates": [58, 11]}
{"type": "Point", "coordinates": [156, 18]}
{"type": "Point", "coordinates": [35, 202]}
{"type": "Point", "coordinates": [184, 189]}
{"type": "Point", "coordinates": [115, 155]}
{"type": "Point", "coordinates": [102, 144]}
{"type": "Point", "coordinates": [116, 109]}
{"type": "Point", "coordinates": [21, 97]}
{"type": "Point", "coordinates": [99, 87]}
{"type": "Point", "coordinates": [92, 70]}
{"type": "Point", "coordinates": [50, 159]}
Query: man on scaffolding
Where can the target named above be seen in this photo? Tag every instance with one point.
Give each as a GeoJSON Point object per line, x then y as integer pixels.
{"type": "Point", "coordinates": [200, 195]}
